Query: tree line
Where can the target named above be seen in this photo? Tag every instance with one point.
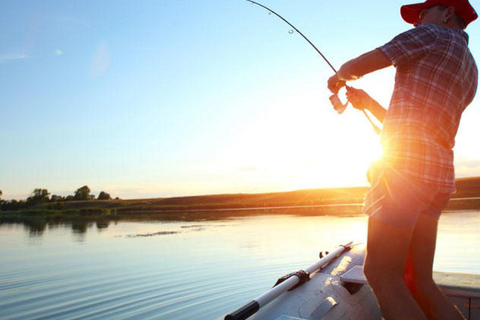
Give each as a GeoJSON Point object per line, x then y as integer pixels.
{"type": "Point", "coordinates": [40, 196]}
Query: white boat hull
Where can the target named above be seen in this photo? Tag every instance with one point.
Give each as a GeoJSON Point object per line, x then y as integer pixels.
{"type": "Point", "coordinates": [339, 291]}
{"type": "Point", "coordinates": [326, 296]}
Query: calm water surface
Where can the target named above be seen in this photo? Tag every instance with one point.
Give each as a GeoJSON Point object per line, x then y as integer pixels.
{"type": "Point", "coordinates": [180, 270]}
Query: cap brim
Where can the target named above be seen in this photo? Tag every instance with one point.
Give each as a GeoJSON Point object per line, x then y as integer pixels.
{"type": "Point", "coordinates": [410, 12]}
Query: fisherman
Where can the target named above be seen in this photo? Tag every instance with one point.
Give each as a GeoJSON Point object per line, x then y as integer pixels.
{"type": "Point", "coordinates": [436, 78]}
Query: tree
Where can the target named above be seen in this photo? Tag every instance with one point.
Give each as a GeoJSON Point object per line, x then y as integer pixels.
{"type": "Point", "coordinates": [56, 198]}
{"type": "Point", "coordinates": [13, 205]}
{"type": "Point", "coordinates": [41, 194]}
{"type": "Point", "coordinates": [104, 196]}
{"type": "Point", "coordinates": [82, 193]}
{"type": "Point", "coordinates": [38, 196]}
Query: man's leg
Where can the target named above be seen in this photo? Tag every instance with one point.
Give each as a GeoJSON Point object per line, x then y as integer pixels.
{"type": "Point", "coordinates": [418, 272]}
{"type": "Point", "coordinates": [387, 251]}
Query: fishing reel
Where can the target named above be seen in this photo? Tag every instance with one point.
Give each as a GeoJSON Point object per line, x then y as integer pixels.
{"type": "Point", "coordinates": [338, 105]}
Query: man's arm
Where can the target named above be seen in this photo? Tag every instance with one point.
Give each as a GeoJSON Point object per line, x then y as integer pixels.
{"type": "Point", "coordinates": [356, 68]}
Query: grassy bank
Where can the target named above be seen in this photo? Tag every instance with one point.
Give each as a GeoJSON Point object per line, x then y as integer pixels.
{"type": "Point", "coordinates": [311, 201]}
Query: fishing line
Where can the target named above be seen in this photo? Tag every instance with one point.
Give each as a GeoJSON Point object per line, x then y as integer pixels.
{"type": "Point", "coordinates": [338, 105]}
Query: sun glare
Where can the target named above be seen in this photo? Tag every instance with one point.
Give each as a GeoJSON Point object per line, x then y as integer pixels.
{"type": "Point", "coordinates": [321, 151]}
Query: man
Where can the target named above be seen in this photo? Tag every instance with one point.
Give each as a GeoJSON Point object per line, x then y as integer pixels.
{"type": "Point", "coordinates": [436, 78]}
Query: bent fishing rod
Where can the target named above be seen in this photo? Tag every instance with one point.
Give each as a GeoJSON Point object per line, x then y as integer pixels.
{"type": "Point", "coordinates": [334, 99]}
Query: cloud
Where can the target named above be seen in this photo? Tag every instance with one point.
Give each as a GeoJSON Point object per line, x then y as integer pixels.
{"type": "Point", "coordinates": [100, 62]}
{"type": "Point", "coordinates": [6, 57]}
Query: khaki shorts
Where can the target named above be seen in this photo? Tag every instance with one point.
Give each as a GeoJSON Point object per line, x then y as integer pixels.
{"type": "Point", "coordinates": [398, 200]}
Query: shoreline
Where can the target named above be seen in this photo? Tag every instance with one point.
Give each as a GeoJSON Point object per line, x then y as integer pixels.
{"type": "Point", "coordinates": [332, 201]}
{"type": "Point", "coordinates": [190, 214]}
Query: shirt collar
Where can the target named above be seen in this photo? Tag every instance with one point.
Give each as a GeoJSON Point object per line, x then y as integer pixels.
{"type": "Point", "coordinates": [463, 34]}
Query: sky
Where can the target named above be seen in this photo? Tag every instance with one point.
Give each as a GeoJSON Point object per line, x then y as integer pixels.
{"type": "Point", "coordinates": [145, 98]}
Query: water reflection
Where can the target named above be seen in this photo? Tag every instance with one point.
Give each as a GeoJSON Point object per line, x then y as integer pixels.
{"type": "Point", "coordinates": [37, 225]}
{"type": "Point", "coordinates": [79, 227]}
{"type": "Point", "coordinates": [102, 224]}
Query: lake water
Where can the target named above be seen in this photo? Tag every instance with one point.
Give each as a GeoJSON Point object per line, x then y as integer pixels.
{"type": "Point", "coordinates": [180, 269]}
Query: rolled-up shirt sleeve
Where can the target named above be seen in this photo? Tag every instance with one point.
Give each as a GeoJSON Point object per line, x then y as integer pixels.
{"type": "Point", "coordinates": [409, 46]}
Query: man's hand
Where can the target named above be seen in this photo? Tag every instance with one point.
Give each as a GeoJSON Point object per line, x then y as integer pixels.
{"type": "Point", "coordinates": [358, 98]}
{"type": "Point", "coordinates": [362, 101]}
{"type": "Point", "coordinates": [335, 84]}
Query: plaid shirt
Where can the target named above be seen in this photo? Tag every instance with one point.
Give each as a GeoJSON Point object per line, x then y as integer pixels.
{"type": "Point", "coordinates": [436, 79]}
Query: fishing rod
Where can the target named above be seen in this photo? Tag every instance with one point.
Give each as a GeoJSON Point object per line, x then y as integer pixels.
{"type": "Point", "coordinates": [334, 99]}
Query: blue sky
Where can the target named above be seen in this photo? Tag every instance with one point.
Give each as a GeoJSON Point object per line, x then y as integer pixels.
{"type": "Point", "coordinates": [185, 97]}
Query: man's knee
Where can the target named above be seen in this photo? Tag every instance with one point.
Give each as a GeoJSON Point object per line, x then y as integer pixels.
{"type": "Point", "coordinates": [379, 275]}
{"type": "Point", "coordinates": [373, 272]}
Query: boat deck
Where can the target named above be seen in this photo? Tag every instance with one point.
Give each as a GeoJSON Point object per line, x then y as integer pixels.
{"type": "Point", "coordinates": [462, 288]}
{"type": "Point", "coordinates": [338, 290]}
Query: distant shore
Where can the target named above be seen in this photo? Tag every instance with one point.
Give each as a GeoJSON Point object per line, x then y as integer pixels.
{"type": "Point", "coordinates": [335, 201]}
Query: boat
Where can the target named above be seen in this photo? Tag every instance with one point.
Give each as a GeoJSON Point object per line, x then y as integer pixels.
{"type": "Point", "coordinates": [335, 288]}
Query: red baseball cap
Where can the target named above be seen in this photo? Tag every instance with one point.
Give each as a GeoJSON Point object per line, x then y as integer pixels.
{"type": "Point", "coordinates": [463, 8]}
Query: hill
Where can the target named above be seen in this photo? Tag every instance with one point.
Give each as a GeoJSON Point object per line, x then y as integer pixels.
{"type": "Point", "coordinates": [300, 199]}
